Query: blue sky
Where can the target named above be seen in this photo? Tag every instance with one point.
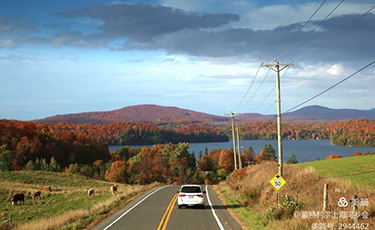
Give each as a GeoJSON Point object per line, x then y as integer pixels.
{"type": "Point", "coordinates": [59, 57]}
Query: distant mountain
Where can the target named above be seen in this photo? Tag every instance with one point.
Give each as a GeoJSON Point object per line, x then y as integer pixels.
{"type": "Point", "coordinates": [155, 113]}
{"type": "Point", "coordinates": [320, 113]}
{"type": "Point", "coordinates": [137, 113]}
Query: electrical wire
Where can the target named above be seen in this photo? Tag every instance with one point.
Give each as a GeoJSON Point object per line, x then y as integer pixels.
{"type": "Point", "coordinates": [308, 34]}
{"type": "Point", "coordinates": [325, 70]}
{"type": "Point", "coordinates": [334, 37]}
{"type": "Point", "coordinates": [264, 78]}
{"type": "Point", "coordinates": [248, 89]}
{"type": "Point", "coordinates": [300, 29]}
{"type": "Point", "coordinates": [271, 90]}
{"type": "Point", "coordinates": [333, 86]}
{"type": "Point", "coordinates": [326, 90]}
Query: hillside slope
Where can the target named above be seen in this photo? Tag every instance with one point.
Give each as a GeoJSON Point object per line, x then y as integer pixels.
{"type": "Point", "coordinates": [66, 203]}
{"type": "Point", "coordinates": [160, 114]}
{"type": "Point", "coordinates": [137, 113]}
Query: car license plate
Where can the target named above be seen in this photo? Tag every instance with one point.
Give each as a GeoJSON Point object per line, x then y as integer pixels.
{"type": "Point", "coordinates": [191, 197]}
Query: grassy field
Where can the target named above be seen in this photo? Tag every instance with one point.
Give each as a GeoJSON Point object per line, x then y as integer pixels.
{"type": "Point", "coordinates": [360, 171]}
{"type": "Point", "coordinates": [65, 204]}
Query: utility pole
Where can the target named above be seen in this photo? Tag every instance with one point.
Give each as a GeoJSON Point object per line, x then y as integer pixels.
{"type": "Point", "coordinates": [279, 136]}
{"type": "Point", "coordinates": [232, 115]}
{"type": "Point", "coordinates": [238, 149]}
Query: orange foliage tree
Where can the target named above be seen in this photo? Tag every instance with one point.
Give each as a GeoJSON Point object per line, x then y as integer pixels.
{"type": "Point", "coordinates": [333, 156]}
{"type": "Point", "coordinates": [117, 172]}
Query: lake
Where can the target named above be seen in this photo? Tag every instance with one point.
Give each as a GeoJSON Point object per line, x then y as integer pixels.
{"type": "Point", "coordinates": [304, 150]}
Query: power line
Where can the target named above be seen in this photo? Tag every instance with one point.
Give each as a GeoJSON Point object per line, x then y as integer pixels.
{"type": "Point", "coordinates": [275, 54]}
{"type": "Point", "coordinates": [326, 90]}
{"type": "Point", "coordinates": [334, 37]}
{"type": "Point", "coordinates": [347, 54]}
{"type": "Point", "coordinates": [287, 51]}
{"type": "Point", "coordinates": [300, 29]}
{"type": "Point", "coordinates": [271, 90]}
{"type": "Point", "coordinates": [333, 86]}
{"type": "Point", "coordinates": [248, 89]}
{"type": "Point", "coordinates": [264, 78]}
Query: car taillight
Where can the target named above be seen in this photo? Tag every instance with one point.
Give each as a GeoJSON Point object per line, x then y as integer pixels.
{"type": "Point", "coordinates": [181, 195]}
{"type": "Point", "coordinates": [200, 195]}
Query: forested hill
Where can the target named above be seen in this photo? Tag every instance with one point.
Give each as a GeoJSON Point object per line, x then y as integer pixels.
{"type": "Point", "coordinates": [163, 114]}
{"type": "Point", "coordinates": [137, 113]}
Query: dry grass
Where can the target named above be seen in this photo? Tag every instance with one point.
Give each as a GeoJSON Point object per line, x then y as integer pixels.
{"type": "Point", "coordinates": [67, 204]}
{"type": "Point", "coordinates": [306, 184]}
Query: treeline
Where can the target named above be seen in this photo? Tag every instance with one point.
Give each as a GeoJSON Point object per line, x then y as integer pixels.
{"type": "Point", "coordinates": [358, 132]}
{"type": "Point", "coordinates": [21, 142]}
{"type": "Point", "coordinates": [145, 134]}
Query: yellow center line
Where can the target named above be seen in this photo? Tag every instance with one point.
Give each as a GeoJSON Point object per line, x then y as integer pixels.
{"type": "Point", "coordinates": [171, 204]}
{"type": "Point", "coordinates": [169, 214]}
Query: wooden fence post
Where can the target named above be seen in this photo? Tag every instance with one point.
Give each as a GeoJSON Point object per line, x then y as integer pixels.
{"type": "Point", "coordinates": [325, 197]}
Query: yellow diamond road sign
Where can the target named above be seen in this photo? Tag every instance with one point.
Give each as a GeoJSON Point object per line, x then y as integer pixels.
{"type": "Point", "coordinates": [277, 181]}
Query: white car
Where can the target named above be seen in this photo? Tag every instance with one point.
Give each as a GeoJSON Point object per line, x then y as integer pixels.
{"type": "Point", "coordinates": [190, 195]}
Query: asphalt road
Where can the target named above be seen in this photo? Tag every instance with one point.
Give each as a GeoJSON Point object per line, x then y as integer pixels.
{"type": "Point", "coordinates": [156, 210]}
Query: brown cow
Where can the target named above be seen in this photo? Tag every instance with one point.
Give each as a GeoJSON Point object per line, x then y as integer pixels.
{"type": "Point", "coordinates": [18, 197]}
{"type": "Point", "coordinates": [90, 192]}
{"type": "Point", "coordinates": [114, 189]}
{"type": "Point", "coordinates": [47, 188]}
{"type": "Point", "coordinates": [37, 194]}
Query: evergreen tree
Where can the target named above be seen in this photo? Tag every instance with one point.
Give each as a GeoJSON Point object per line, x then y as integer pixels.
{"type": "Point", "coordinates": [269, 151]}
{"type": "Point", "coordinates": [292, 159]}
{"type": "Point", "coordinates": [206, 151]}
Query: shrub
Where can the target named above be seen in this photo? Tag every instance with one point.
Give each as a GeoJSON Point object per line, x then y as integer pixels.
{"type": "Point", "coordinates": [285, 210]}
{"type": "Point", "coordinates": [333, 156]}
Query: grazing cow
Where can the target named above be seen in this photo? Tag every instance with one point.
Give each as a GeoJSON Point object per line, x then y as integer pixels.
{"type": "Point", "coordinates": [18, 197]}
{"type": "Point", "coordinates": [37, 194]}
{"type": "Point", "coordinates": [90, 192]}
{"type": "Point", "coordinates": [47, 188]}
{"type": "Point", "coordinates": [114, 189]}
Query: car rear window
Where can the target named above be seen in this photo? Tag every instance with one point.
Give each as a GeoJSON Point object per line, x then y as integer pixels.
{"type": "Point", "coordinates": [191, 189]}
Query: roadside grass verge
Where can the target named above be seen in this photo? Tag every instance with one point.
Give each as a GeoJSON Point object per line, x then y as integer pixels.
{"type": "Point", "coordinates": [67, 206]}
{"type": "Point", "coordinates": [359, 170]}
{"type": "Point", "coordinates": [247, 218]}
{"type": "Point", "coordinates": [250, 192]}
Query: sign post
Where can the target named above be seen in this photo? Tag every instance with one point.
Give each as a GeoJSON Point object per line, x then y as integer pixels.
{"type": "Point", "coordinates": [277, 182]}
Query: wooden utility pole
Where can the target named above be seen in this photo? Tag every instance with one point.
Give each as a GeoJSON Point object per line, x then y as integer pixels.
{"type": "Point", "coordinates": [279, 136]}
{"type": "Point", "coordinates": [232, 115]}
{"type": "Point", "coordinates": [239, 149]}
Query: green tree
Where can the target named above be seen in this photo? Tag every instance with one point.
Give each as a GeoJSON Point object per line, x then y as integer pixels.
{"type": "Point", "coordinates": [205, 151]}
{"type": "Point", "coordinates": [269, 151]}
{"type": "Point", "coordinates": [54, 166]}
{"type": "Point", "coordinates": [292, 159]}
{"type": "Point", "coordinates": [6, 160]}
{"type": "Point", "coordinates": [44, 165]}
{"type": "Point", "coordinates": [250, 152]}
{"type": "Point", "coordinates": [29, 165]}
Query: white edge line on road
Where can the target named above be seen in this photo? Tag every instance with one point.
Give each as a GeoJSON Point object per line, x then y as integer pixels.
{"type": "Point", "coordinates": [213, 211]}
{"type": "Point", "coordinates": [110, 225]}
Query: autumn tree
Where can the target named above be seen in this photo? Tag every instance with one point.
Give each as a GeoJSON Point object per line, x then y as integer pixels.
{"type": "Point", "coordinates": [226, 160]}
{"type": "Point", "coordinates": [117, 172]}
{"type": "Point", "coordinates": [206, 163]}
